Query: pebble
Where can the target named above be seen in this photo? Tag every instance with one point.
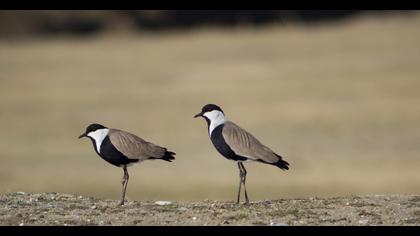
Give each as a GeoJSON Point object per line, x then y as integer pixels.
{"type": "Point", "coordinates": [163, 203]}
{"type": "Point", "coordinates": [21, 193]}
{"type": "Point", "coordinates": [33, 199]}
{"type": "Point", "coordinates": [363, 221]}
{"type": "Point", "coordinates": [279, 224]}
{"type": "Point", "coordinates": [194, 218]}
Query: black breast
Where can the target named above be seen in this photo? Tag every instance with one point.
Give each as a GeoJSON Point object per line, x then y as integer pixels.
{"type": "Point", "coordinates": [222, 147]}
{"type": "Point", "coordinates": [110, 154]}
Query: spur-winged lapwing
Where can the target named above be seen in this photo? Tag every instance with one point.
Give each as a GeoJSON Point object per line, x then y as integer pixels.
{"type": "Point", "coordinates": [123, 149]}
{"type": "Point", "coordinates": [237, 144]}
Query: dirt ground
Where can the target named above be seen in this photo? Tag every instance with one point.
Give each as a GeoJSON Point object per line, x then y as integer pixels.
{"type": "Point", "coordinates": [66, 210]}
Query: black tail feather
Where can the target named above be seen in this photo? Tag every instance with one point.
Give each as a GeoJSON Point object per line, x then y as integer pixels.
{"type": "Point", "coordinates": [169, 156]}
{"type": "Point", "coordinates": [282, 164]}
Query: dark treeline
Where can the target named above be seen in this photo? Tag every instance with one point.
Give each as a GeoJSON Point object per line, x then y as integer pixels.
{"type": "Point", "coordinates": [15, 23]}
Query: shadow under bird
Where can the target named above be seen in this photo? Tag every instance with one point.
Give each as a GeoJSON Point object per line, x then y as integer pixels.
{"type": "Point", "coordinates": [236, 144]}
{"type": "Point", "coordinates": [123, 149]}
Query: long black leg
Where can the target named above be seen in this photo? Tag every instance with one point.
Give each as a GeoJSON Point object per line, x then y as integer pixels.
{"type": "Point", "coordinates": [240, 183]}
{"type": "Point", "coordinates": [243, 179]}
{"type": "Point", "coordinates": [124, 185]}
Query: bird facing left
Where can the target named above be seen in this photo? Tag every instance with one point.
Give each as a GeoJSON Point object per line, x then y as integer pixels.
{"type": "Point", "coordinates": [123, 149]}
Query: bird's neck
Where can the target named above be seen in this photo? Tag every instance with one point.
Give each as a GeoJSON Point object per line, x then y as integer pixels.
{"type": "Point", "coordinates": [98, 137]}
{"type": "Point", "coordinates": [214, 119]}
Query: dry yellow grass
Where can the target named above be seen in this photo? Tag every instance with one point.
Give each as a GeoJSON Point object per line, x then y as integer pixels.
{"type": "Point", "coordinates": [340, 102]}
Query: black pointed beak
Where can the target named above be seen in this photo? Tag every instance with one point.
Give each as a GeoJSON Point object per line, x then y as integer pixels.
{"type": "Point", "coordinates": [83, 135]}
{"type": "Point", "coordinates": [198, 115]}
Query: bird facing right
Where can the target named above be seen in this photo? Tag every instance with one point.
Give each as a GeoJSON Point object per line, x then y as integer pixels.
{"type": "Point", "coordinates": [236, 144]}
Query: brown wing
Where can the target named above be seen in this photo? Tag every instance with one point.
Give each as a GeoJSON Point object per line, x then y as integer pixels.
{"type": "Point", "coordinates": [246, 145]}
{"type": "Point", "coordinates": [133, 146]}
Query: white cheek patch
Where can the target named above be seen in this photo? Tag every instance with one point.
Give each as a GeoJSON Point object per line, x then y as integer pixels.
{"type": "Point", "coordinates": [99, 136]}
{"type": "Point", "coordinates": [216, 118]}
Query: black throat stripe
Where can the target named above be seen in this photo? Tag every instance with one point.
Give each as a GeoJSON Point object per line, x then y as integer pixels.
{"type": "Point", "coordinates": [222, 147]}
{"type": "Point", "coordinates": [110, 154]}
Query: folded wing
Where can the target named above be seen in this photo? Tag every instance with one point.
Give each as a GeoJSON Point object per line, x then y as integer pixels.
{"type": "Point", "coordinates": [135, 147]}
{"type": "Point", "coordinates": [246, 145]}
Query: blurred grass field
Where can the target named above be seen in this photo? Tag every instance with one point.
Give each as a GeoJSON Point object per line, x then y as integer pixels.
{"type": "Point", "coordinates": [339, 101]}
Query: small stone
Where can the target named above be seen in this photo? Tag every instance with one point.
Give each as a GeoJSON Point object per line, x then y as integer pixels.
{"type": "Point", "coordinates": [163, 203]}
{"type": "Point", "coordinates": [21, 224]}
{"type": "Point", "coordinates": [279, 224]}
{"type": "Point", "coordinates": [182, 209]}
{"type": "Point", "coordinates": [194, 218]}
{"type": "Point", "coordinates": [363, 221]}
{"type": "Point", "coordinates": [272, 223]}
{"type": "Point", "coordinates": [66, 195]}
{"type": "Point", "coordinates": [20, 193]}
{"type": "Point", "coordinates": [93, 207]}
{"type": "Point", "coordinates": [33, 200]}
{"type": "Point", "coordinates": [225, 222]}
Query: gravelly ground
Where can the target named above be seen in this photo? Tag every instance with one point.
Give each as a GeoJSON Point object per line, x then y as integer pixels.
{"type": "Point", "coordinates": [65, 209]}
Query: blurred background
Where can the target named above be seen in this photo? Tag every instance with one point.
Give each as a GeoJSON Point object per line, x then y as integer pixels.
{"type": "Point", "coordinates": [336, 93]}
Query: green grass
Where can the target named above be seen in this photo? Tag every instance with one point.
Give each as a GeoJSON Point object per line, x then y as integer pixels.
{"type": "Point", "coordinates": [339, 102]}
